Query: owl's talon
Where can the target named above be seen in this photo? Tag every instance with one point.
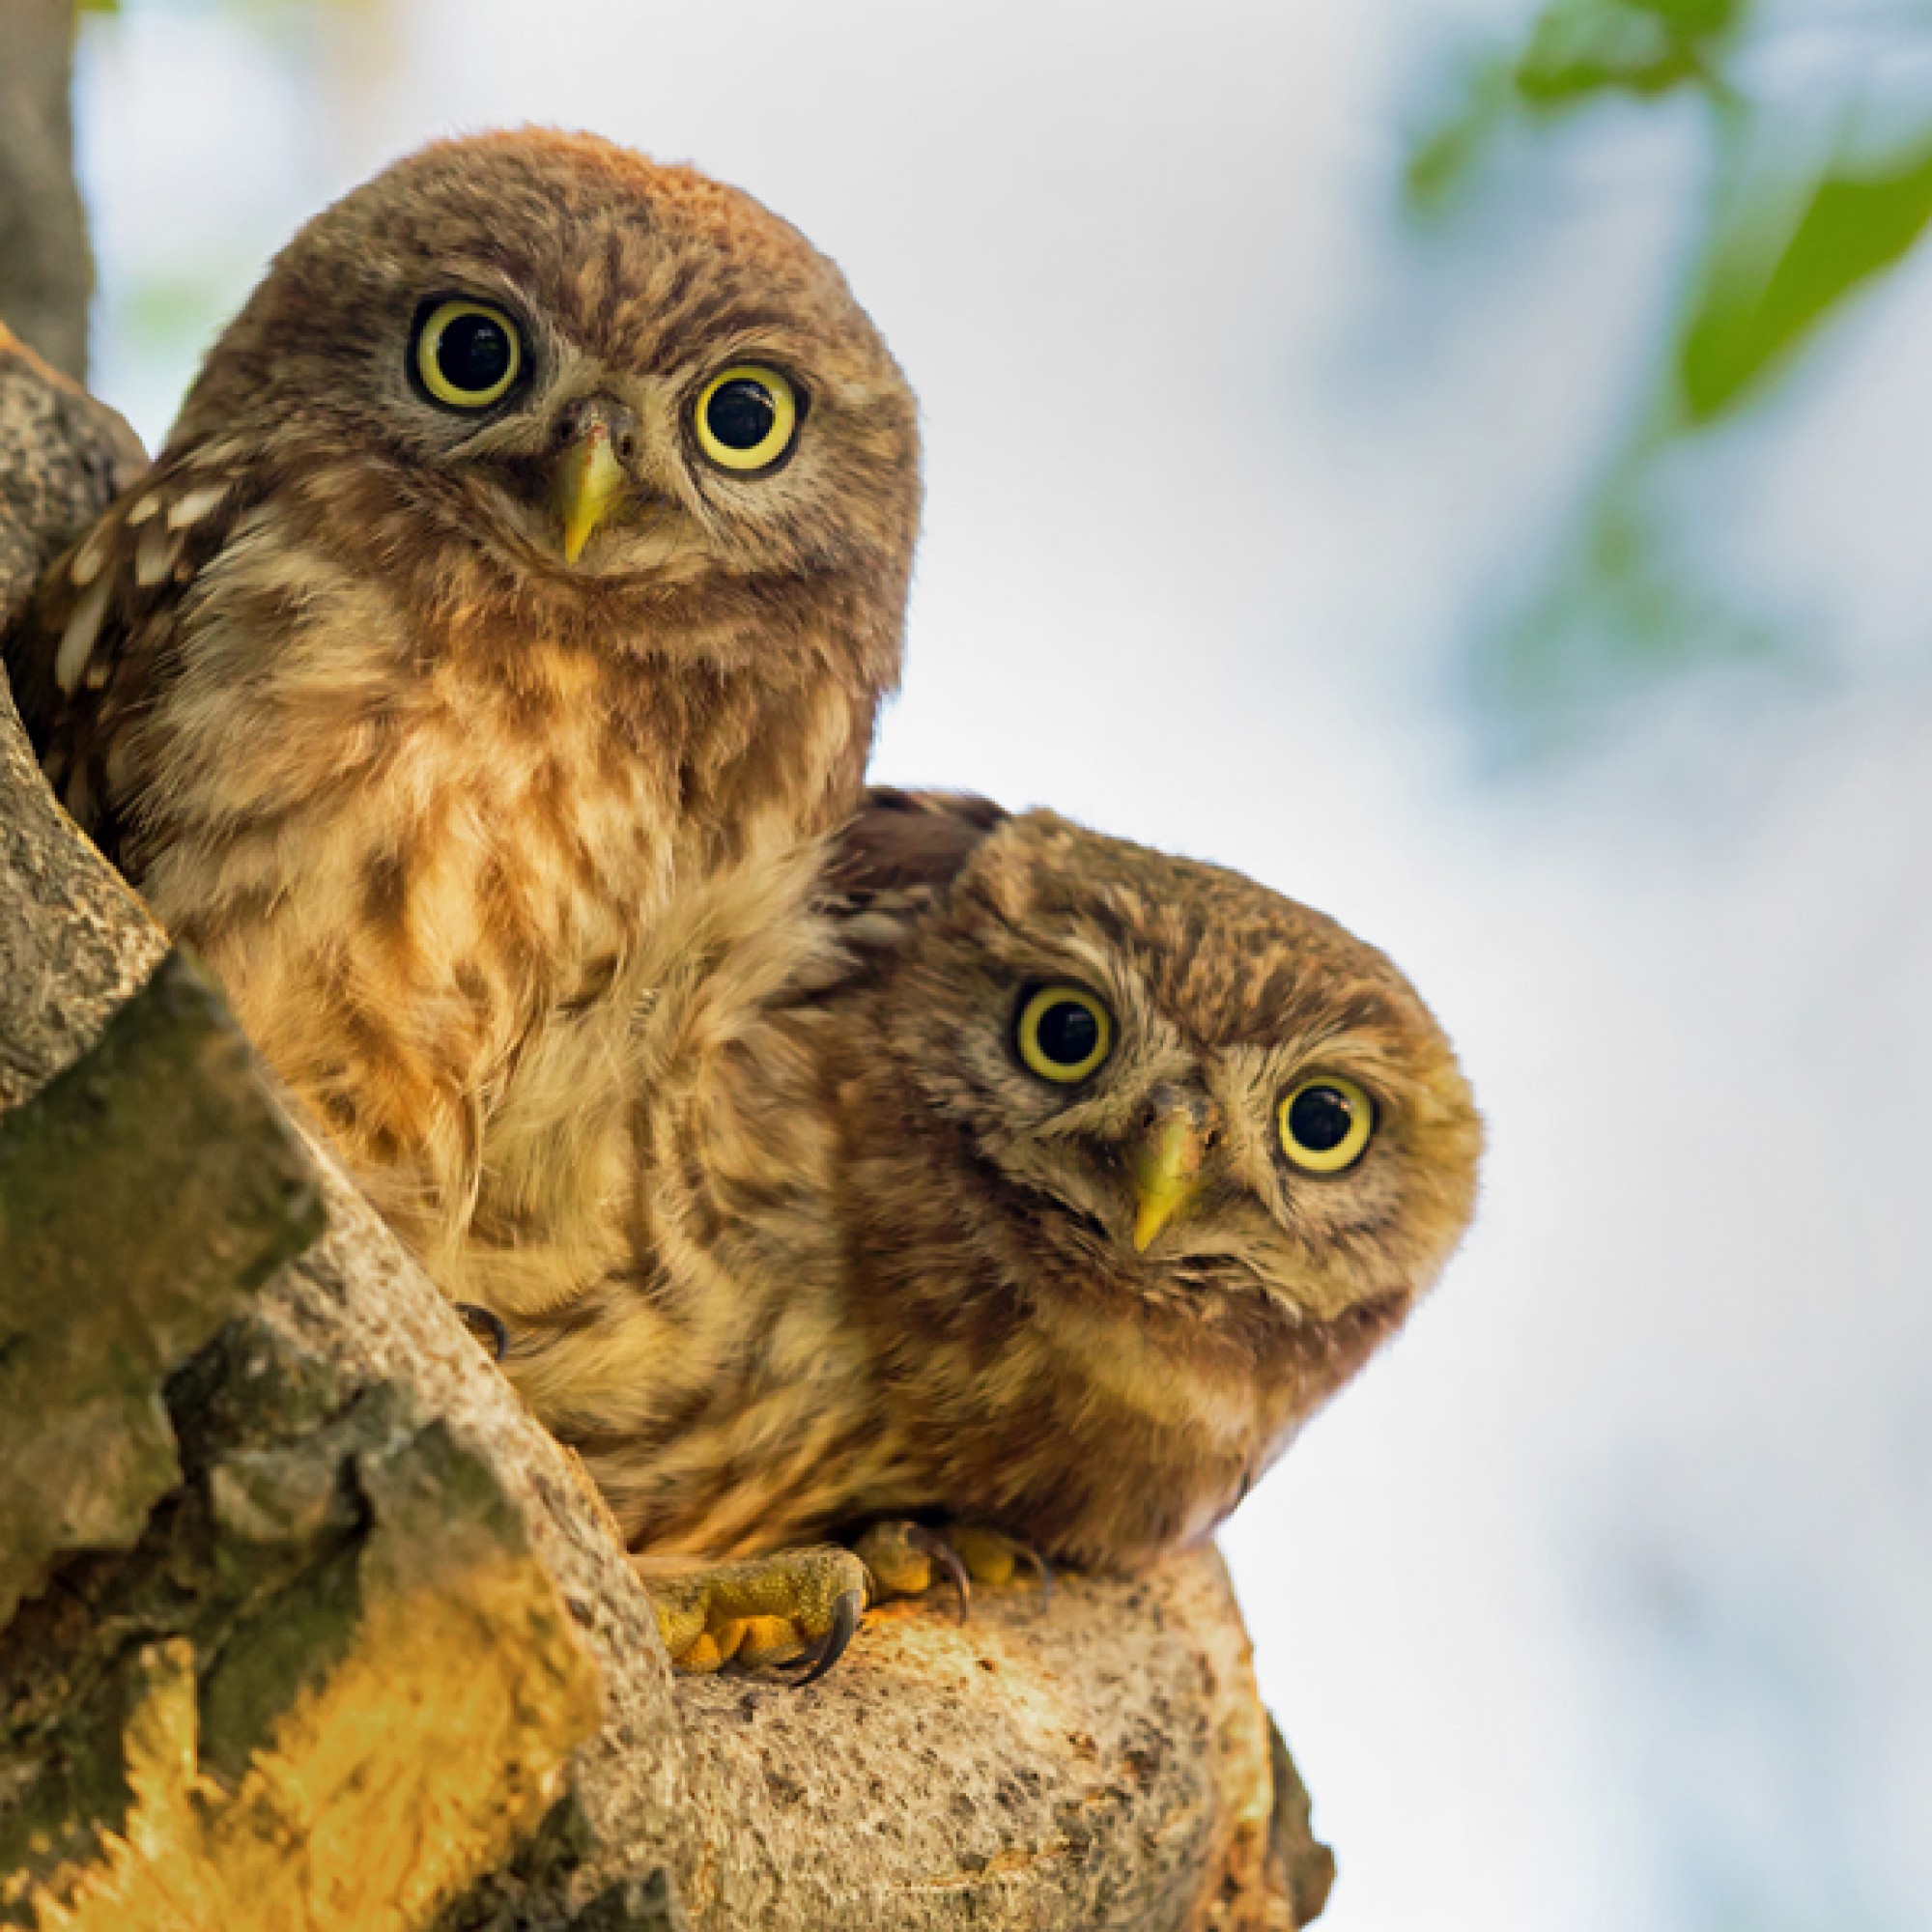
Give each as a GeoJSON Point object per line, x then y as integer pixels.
{"type": "Point", "coordinates": [901, 1556]}
{"type": "Point", "coordinates": [994, 1557]}
{"type": "Point", "coordinates": [845, 1615]}
{"type": "Point", "coordinates": [795, 1608]}
{"type": "Point", "coordinates": [900, 1559]}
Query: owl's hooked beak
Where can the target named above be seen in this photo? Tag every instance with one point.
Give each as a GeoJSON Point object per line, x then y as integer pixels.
{"type": "Point", "coordinates": [590, 477]}
{"type": "Point", "coordinates": [1167, 1170]}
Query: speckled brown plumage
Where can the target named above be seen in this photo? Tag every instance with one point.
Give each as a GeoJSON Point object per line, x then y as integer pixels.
{"type": "Point", "coordinates": [427, 793]}
{"type": "Point", "coordinates": [881, 1268]}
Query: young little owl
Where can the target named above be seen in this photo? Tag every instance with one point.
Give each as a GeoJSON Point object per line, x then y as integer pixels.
{"type": "Point", "coordinates": [1040, 1182]}
{"type": "Point", "coordinates": [531, 550]}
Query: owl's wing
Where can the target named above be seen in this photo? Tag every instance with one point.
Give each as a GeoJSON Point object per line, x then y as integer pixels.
{"type": "Point", "coordinates": [889, 865]}
{"type": "Point", "coordinates": [84, 652]}
{"type": "Point", "coordinates": [64, 457]}
{"type": "Point", "coordinates": [907, 843]}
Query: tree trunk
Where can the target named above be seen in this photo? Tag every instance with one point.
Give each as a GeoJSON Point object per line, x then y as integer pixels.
{"type": "Point", "coordinates": [46, 272]}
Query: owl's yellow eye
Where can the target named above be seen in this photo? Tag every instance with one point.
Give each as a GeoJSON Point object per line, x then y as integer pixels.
{"type": "Point", "coordinates": [747, 418]}
{"type": "Point", "coordinates": [1325, 1123]}
{"type": "Point", "coordinates": [1064, 1034]}
{"type": "Point", "coordinates": [467, 353]}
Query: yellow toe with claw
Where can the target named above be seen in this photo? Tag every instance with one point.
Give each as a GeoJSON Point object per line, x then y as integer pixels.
{"type": "Point", "coordinates": [794, 1607]}
{"type": "Point", "coordinates": [994, 1558]}
{"type": "Point", "coordinates": [906, 1559]}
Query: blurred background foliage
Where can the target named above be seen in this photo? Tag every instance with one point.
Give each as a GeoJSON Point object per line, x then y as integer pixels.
{"type": "Point", "coordinates": [1804, 206]}
{"type": "Point", "coordinates": [1803, 209]}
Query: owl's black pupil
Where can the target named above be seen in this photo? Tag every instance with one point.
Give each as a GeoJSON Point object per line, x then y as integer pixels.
{"type": "Point", "coordinates": [1320, 1119]}
{"type": "Point", "coordinates": [1067, 1032]}
{"type": "Point", "coordinates": [473, 354]}
{"type": "Point", "coordinates": [741, 413]}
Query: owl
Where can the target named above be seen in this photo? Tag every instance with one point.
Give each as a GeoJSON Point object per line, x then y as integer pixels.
{"type": "Point", "coordinates": [531, 551]}
{"type": "Point", "coordinates": [1002, 1174]}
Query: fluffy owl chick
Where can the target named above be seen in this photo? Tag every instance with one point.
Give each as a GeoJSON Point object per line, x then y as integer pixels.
{"type": "Point", "coordinates": [531, 549]}
{"type": "Point", "coordinates": [1055, 1200]}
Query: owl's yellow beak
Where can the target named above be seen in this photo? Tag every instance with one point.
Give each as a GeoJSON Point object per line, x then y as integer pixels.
{"type": "Point", "coordinates": [589, 479]}
{"type": "Point", "coordinates": [1167, 1174]}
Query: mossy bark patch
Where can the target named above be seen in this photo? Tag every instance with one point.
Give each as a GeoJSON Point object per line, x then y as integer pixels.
{"type": "Point", "coordinates": [143, 1195]}
{"type": "Point", "coordinates": [330, 1685]}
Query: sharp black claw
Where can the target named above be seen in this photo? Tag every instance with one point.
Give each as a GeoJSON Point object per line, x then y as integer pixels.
{"type": "Point", "coordinates": [946, 1557]}
{"type": "Point", "coordinates": [487, 1326]}
{"type": "Point", "coordinates": [845, 1615]}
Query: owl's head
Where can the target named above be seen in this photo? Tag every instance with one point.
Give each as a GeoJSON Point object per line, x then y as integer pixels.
{"type": "Point", "coordinates": [1157, 1081]}
{"type": "Point", "coordinates": [547, 352]}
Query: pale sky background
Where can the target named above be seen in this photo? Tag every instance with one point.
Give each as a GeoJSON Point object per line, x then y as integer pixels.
{"type": "Point", "coordinates": [1604, 1601]}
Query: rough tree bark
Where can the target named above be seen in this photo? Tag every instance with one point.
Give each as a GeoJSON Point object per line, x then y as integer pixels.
{"type": "Point", "coordinates": [304, 1622]}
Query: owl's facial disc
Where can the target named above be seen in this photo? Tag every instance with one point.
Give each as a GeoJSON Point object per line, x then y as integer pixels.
{"type": "Point", "coordinates": [1064, 1034]}
{"type": "Point", "coordinates": [467, 356]}
{"type": "Point", "coordinates": [1154, 1162]}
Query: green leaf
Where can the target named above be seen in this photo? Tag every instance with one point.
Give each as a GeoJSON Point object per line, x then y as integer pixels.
{"type": "Point", "coordinates": [1695, 20]}
{"type": "Point", "coordinates": [1852, 226]}
{"type": "Point", "coordinates": [1578, 48]}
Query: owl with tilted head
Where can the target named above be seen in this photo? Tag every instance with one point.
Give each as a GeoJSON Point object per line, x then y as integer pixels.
{"type": "Point", "coordinates": [1052, 1185]}
{"type": "Point", "coordinates": [1143, 1161]}
{"type": "Point", "coordinates": [531, 549]}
